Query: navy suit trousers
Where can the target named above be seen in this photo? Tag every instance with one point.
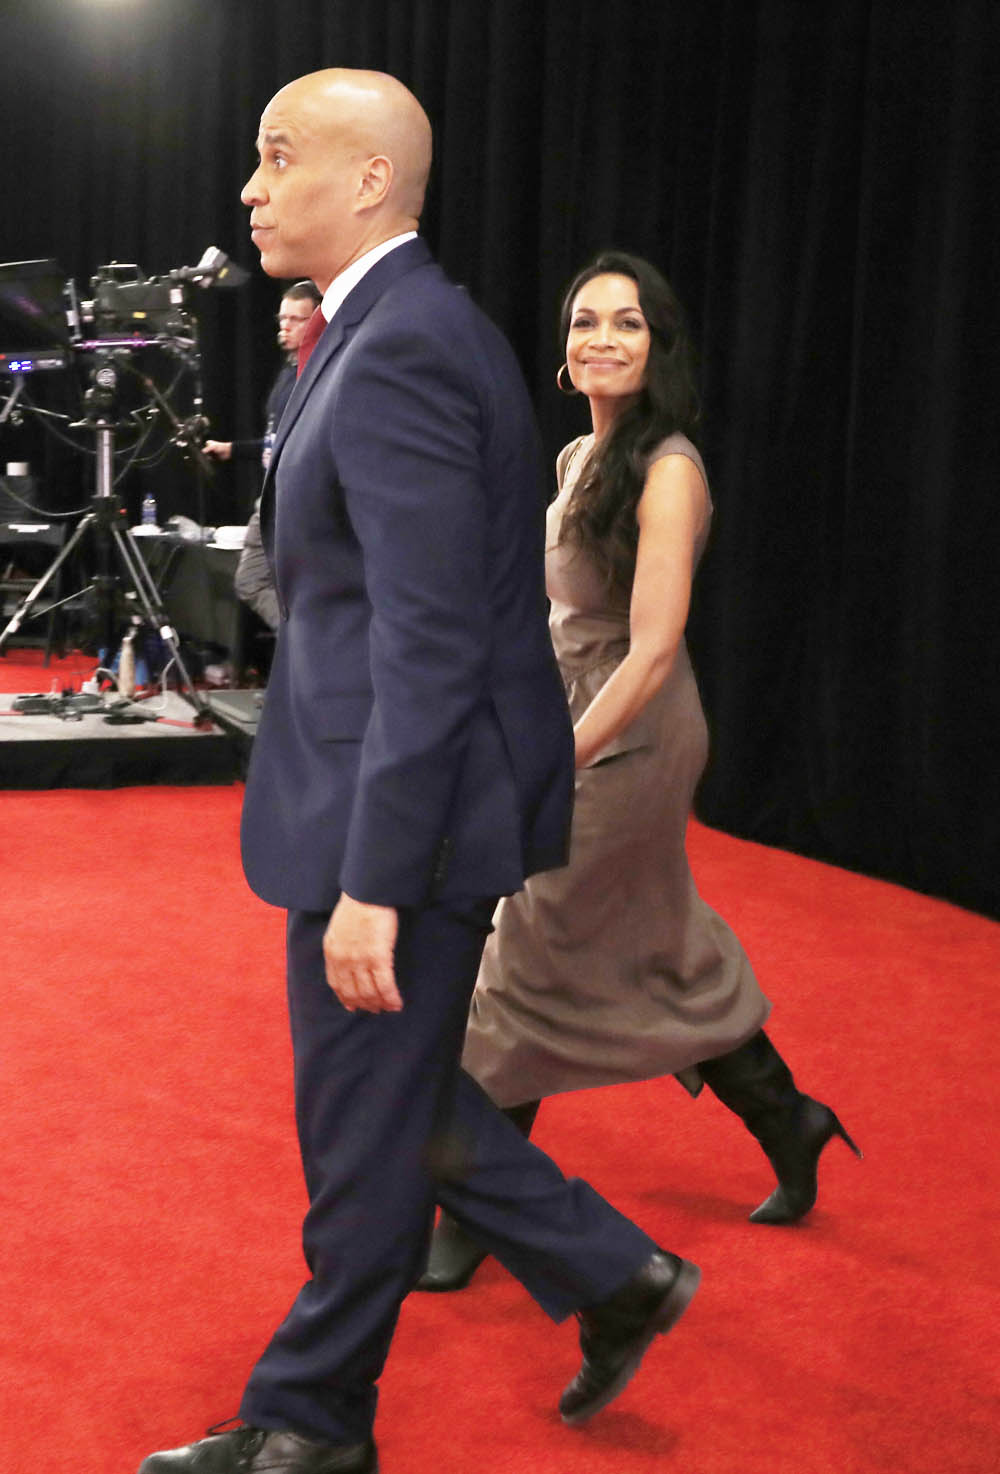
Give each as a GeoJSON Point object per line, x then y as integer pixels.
{"type": "Point", "coordinates": [388, 1125]}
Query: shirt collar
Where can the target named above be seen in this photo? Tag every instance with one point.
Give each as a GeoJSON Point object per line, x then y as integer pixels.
{"type": "Point", "coordinates": [343, 284]}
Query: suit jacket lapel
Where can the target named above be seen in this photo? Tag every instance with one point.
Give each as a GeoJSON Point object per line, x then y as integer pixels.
{"type": "Point", "coordinates": [352, 310]}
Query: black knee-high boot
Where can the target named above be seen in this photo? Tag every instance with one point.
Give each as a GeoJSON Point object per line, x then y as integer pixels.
{"type": "Point", "coordinates": [757, 1085]}
{"type": "Point", "coordinates": [455, 1256]}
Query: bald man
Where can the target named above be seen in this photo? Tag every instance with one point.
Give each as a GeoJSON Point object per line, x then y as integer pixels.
{"type": "Point", "coordinates": [413, 762]}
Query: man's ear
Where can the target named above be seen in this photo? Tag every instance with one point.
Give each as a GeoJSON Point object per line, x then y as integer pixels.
{"type": "Point", "coordinates": [375, 182]}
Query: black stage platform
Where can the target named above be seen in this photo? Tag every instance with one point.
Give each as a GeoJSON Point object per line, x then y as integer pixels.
{"type": "Point", "coordinates": [82, 749]}
{"type": "Point", "coordinates": [238, 712]}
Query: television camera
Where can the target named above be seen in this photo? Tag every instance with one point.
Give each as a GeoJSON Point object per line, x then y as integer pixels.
{"type": "Point", "coordinates": [46, 327]}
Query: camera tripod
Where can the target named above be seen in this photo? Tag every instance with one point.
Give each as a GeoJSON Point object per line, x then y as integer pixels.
{"type": "Point", "coordinates": [115, 542]}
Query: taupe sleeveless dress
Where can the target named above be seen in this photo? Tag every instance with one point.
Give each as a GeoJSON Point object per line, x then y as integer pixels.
{"type": "Point", "coordinates": [612, 968]}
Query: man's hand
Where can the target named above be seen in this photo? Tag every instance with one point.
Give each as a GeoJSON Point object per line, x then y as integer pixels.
{"type": "Point", "coordinates": [358, 950]}
{"type": "Point", "coordinates": [220, 450]}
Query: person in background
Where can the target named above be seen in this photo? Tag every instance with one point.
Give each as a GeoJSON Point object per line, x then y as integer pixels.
{"type": "Point", "coordinates": [298, 303]}
{"type": "Point", "coordinates": [413, 762]}
{"type": "Point", "coordinates": [253, 581]}
{"type": "Point", "coordinates": [613, 968]}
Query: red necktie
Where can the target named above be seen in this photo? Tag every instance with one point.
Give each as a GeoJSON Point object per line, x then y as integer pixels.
{"type": "Point", "coordinates": [311, 336]}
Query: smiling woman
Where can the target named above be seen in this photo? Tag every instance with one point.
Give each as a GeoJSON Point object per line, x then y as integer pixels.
{"type": "Point", "coordinates": [628, 350]}
{"type": "Point", "coordinates": [612, 968]}
{"type": "Point", "coordinates": [608, 345]}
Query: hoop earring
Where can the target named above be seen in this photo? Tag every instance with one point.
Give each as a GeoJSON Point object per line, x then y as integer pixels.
{"type": "Point", "coordinates": [561, 386]}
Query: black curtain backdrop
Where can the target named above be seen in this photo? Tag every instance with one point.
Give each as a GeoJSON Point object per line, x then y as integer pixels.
{"type": "Point", "coordinates": [820, 182]}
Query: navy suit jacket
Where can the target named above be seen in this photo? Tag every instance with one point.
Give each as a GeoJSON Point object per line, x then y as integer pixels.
{"type": "Point", "coordinates": [415, 741]}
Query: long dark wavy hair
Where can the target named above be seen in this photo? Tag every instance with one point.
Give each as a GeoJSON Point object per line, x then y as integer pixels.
{"type": "Point", "coordinates": [601, 517]}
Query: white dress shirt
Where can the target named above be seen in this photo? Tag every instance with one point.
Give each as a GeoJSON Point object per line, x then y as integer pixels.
{"type": "Point", "coordinates": [343, 284]}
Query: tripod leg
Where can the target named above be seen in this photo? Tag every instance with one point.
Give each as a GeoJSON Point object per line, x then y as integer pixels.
{"type": "Point", "coordinates": [149, 597]}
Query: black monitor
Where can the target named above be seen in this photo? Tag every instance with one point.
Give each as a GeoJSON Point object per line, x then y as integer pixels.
{"type": "Point", "coordinates": [34, 329]}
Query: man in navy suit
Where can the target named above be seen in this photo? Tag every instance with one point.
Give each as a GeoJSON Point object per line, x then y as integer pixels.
{"type": "Point", "coordinates": [413, 762]}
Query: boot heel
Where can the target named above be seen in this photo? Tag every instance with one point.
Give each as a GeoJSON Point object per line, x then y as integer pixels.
{"type": "Point", "coordinates": [839, 1131]}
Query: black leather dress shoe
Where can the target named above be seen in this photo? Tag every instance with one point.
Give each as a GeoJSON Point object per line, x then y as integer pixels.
{"type": "Point", "coordinates": [616, 1334]}
{"type": "Point", "coordinates": [260, 1451]}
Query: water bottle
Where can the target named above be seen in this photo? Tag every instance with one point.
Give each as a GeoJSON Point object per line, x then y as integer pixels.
{"type": "Point", "coordinates": [126, 665]}
{"type": "Point", "coordinates": [149, 510]}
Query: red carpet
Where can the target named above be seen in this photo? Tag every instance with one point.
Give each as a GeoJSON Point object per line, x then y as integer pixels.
{"type": "Point", "coordinates": [151, 1192]}
{"type": "Point", "coordinates": [25, 670]}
